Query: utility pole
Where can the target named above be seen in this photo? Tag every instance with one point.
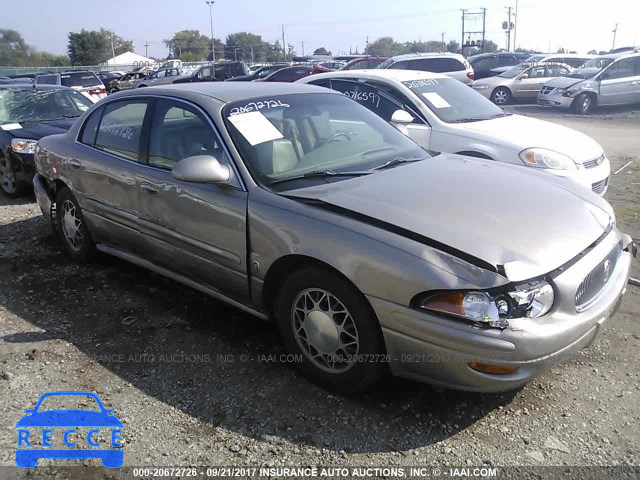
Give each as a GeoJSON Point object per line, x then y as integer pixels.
{"type": "Point", "coordinates": [367, 47]}
{"type": "Point", "coordinates": [443, 47]}
{"type": "Point", "coordinates": [284, 45]}
{"type": "Point", "coordinates": [615, 30]}
{"type": "Point", "coordinates": [484, 26]}
{"type": "Point", "coordinates": [462, 39]}
{"type": "Point", "coordinates": [146, 49]}
{"type": "Point", "coordinates": [509, 30]}
{"type": "Point", "coordinates": [113, 50]}
{"type": "Point", "coordinates": [213, 50]}
{"type": "Point", "coordinates": [515, 28]}
{"type": "Point", "coordinates": [302, 48]}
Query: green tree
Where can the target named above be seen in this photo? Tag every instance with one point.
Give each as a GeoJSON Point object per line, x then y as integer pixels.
{"type": "Point", "coordinates": [189, 45]}
{"type": "Point", "coordinates": [321, 51]}
{"type": "Point", "coordinates": [385, 47]}
{"type": "Point", "coordinates": [14, 51]}
{"type": "Point", "coordinates": [453, 46]}
{"type": "Point", "coordinates": [90, 47]}
{"type": "Point", "coordinates": [247, 46]}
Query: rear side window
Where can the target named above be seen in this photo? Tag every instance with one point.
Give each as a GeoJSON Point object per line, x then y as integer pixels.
{"type": "Point", "coordinates": [80, 79]}
{"type": "Point", "coordinates": [367, 96]}
{"type": "Point", "coordinates": [507, 60]}
{"type": "Point", "coordinates": [47, 80]}
{"type": "Point", "coordinates": [90, 128]}
{"type": "Point", "coordinates": [436, 65]}
{"type": "Point", "coordinates": [120, 129]}
{"type": "Point", "coordinates": [486, 63]}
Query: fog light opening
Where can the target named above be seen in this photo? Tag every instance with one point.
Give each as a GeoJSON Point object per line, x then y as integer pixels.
{"type": "Point", "coordinates": [493, 369]}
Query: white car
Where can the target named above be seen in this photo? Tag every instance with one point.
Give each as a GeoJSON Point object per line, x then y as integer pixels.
{"type": "Point", "coordinates": [450, 64]}
{"type": "Point", "coordinates": [443, 115]}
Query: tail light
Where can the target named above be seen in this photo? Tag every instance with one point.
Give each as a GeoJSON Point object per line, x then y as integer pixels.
{"type": "Point", "coordinates": [471, 75]}
{"type": "Point", "coordinates": [97, 91]}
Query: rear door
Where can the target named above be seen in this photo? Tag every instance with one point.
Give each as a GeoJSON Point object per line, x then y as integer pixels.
{"type": "Point", "coordinates": [193, 229]}
{"type": "Point", "coordinates": [105, 174]}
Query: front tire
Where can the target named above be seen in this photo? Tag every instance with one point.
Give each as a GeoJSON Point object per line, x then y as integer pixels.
{"type": "Point", "coordinates": [9, 185]}
{"type": "Point", "coordinates": [72, 227]}
{"type": "Point", "coordinates": [329, 324]}
{"type": "Point", "coordinates": [583, 104]}
{"type": "Point", "coordinates": [501, 96]}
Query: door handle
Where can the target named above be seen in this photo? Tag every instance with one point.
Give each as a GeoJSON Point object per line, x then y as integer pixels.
{"type": "Point", "coordinates": [149, 188]}
{"type": "Point", "coordinates": [75, 163]}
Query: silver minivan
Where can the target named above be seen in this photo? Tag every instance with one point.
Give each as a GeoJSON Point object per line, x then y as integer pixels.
{"type": "Point", "coordinates": [451, 64]}
{"type": "Point", "coordinates": [612, 79]}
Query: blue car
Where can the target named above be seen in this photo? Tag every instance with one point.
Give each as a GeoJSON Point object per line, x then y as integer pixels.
{"type": "Point", "coordinates": [72, 418]}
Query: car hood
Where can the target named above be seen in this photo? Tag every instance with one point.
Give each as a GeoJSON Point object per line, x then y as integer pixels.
{"type": "Point", "coordinates": [69, 418]}
{"type": "Point", "coordinates": [526, 132]}
{"type": "Point", "coordinates": [35, 131]}
{"type": "Point", "coordinates": [564, 82]}
{"type": "Point", "coordinates": [492, 81]}
{"type": "Point", "coordinates": [520, 222]}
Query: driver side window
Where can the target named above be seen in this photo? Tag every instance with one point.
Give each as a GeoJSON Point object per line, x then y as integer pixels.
{"type": "Point", "coordinates": [179, 131]}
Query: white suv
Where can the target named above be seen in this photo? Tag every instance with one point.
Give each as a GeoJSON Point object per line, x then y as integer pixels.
{"type": "Point", "coordinates": [451, 64]}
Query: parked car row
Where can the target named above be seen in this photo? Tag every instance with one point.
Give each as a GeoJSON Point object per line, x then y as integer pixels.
{"type": "Point", "coordinates": [295, 203]}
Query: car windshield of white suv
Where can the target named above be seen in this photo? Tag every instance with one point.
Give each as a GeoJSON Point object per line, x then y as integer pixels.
{"type": "Point", "coordinates": [31, 105]}
{"type": "Point", "coordinates": [591, 68]}
{"type": "Point", "coordinates": [452, 101]}
{"type": "Point", "coordinates": [293, 141]}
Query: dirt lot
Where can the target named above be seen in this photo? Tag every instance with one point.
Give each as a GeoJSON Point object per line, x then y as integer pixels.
{"type": "Point", "coordinates": [199, 383]}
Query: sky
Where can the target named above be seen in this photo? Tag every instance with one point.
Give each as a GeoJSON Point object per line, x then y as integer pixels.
{"type": "Point", "coordinates": [338, 25]}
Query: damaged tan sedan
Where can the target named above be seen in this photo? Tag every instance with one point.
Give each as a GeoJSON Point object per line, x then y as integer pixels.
{"type": "Point", "coordinates": [297, 204]}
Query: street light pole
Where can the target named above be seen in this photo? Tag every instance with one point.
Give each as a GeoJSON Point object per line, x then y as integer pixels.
{"type": "Point", "coordinates": [213, 51]}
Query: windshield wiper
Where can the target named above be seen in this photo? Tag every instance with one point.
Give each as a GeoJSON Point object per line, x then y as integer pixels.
{"type": "Point", "coordinates": [320, 174]}
{"type": "Point", "coordinates": [396, 161]}
{"type": "Point", "coordinates": [467, 120]}
{"type": "Point", "coordinates": [75, 115]}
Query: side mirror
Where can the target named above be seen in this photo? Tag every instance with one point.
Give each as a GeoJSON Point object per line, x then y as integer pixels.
{"type": "Point", "coordinates": [401, 116]}
{"type": "Point", "coordinates": [523, 76]}
{"type": "Point", "coordinates": [201, 169]}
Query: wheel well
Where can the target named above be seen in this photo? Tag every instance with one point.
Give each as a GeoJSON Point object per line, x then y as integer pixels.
{"type": "Point", "coordinates": [279, 271]}
{"type": "Point", "coordinates": [470, 153]}
{"type": "Point", "coordinates": [501, 87]}
{"type": "Point", "coordinates": [286, 265]}
{"type": "Point", "coordinates": [593, 96]}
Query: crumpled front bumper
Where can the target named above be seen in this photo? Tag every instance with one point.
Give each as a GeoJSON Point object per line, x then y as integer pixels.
{"type": "Point", "coordinates": [437, 350]}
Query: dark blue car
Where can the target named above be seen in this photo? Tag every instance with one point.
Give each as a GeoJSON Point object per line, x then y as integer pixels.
{"type": "Point", "coordinates": [71, 418]}
{"type": "Point", "coordinates": [28, 113]}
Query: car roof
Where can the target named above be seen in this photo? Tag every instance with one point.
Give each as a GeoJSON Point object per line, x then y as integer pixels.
{"type": "Point", "coordinates": [379, 74]}
{"type": "Point", "coordinates": [426, 54]}
{"type": "Point", "coordinates": [227, 92]}
{"type": "Point", "coordinates": [31, 86]}
{"type": "Point", "coordinates": [615, 56]}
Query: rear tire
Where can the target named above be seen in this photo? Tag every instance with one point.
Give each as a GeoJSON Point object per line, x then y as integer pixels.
{"type": "Point", "coordinates": [501, 96]}
{"type": "Point", "coordinates": [583, 104]}
{"type": "Point", "coordinates": [327, 322]}
{"type": "Point", "coordinates": [73, 229]}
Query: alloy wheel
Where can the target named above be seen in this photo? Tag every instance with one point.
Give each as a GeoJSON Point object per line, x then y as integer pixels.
{"type": "Point", "coordinates": [7, 178]}
{"type": "Point", "coordinates": [72, 225]}
{"type": "Point", "coordinates": [325, 330]}
{"type": "Point", "coordinates": [501, 97]}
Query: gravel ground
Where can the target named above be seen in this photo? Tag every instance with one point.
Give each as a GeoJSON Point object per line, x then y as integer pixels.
{"type": "Point", "coordinates": [198, 383]}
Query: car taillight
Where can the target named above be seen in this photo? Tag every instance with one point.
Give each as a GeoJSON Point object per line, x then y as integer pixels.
{"type": "Point", "coordinates": [471, 75]}
{"type": "Point", "coordinates": [97, 91]}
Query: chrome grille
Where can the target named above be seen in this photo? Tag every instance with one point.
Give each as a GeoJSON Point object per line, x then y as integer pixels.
{"type": "Point", "coordinates": [595, 162]}
{"type": "Point", "coordinates": [545, 90]}
{"type": "Point", "coordinates": [600, 186]}
{"type": "Point", "coordinates": [595, 282]}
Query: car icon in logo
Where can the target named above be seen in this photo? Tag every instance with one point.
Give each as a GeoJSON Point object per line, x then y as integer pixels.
{"type": "Point", "coordinates": [69, 419]}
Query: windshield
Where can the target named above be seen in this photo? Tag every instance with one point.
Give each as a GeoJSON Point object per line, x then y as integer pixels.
{"type": "Point", "coordinates": [30, 105]}
{"type": "Point", "coordinates": [286, 136]}
{"type": "Point", "coordinates": [591, 68]}
{"type": "Point", "coordinates": [387, 63]}
{"type": "Point", "coordinates": [515, 71]}
{"type": "Point", "coordinates": [452, 101]}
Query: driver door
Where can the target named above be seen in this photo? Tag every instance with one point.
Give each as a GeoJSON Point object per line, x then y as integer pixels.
{"type": "Point", "coordinates": [528, 84]}
{"type": "Point", "coordinates": [196, 230]}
